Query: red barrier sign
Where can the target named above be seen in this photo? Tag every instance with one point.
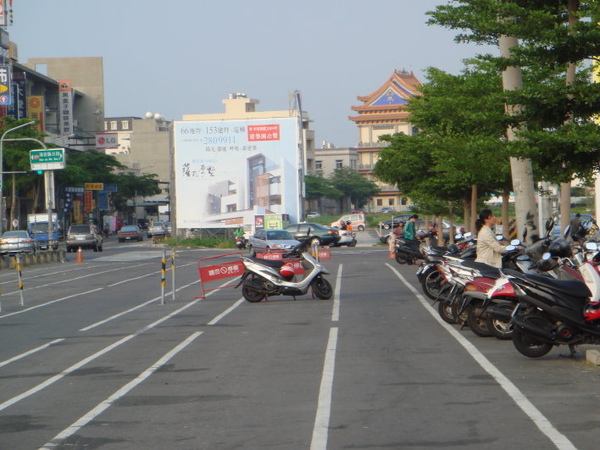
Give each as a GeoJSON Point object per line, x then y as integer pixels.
{"type": "Point", "coordinates": [220, 271]}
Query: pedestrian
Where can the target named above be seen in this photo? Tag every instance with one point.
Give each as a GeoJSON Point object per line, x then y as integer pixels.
{"type": "Point", "coordinates": [576, 226]}
{"type": "Point", "coordinates": [409, 228]}
{"type": "Point", "coordinates": [349, 226]}
{"type": "Point", "coordinates": [489, 250]}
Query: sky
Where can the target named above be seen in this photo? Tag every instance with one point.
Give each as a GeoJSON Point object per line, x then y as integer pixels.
{"type": "Point", "coordinates": [185, 56]}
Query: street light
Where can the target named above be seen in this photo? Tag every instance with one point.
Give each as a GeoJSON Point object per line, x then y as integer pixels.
{"type": "Point", "coordinates": [2, 170]}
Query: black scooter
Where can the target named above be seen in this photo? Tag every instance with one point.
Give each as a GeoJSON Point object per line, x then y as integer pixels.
{"type": "Point", "coordinates": [551, 313]}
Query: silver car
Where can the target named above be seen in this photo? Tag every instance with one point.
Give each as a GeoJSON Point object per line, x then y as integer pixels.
{"type": "Point", "coordinates": [264, 240]}
{"type": "Point", "coordinates": [17, 241]}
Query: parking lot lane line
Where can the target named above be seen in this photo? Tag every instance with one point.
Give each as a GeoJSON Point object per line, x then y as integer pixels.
{"type": "Point", "coordinates": [321, 426]}
{"type": "Point", "coordinates": [227, 311]}
{"type": "Point", "coordinates": [30, 352]}
{"type": "Point", "coordinates": [335, 314]}
{"type": "Point", "coordinates": [49, 303]}
{"type": "Point", "coordinates": [108, 402]}
{"type": "Point", "coordinates": [545, 426]}
{"type": "Point", "coordinates": [91, 358]}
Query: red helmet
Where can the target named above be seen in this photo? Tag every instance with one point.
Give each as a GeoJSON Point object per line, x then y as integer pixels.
{"type": "Point", "coordinates": [287, 271]}
{"type": "Point", "coordinates": [592, 311]}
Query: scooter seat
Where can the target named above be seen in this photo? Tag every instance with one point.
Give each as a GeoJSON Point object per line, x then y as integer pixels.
{"type": "Point", "coordinates": [485, 269]}
{"type": "Point", "coordinates": [268, 262]}
{"type": "Point", "coordinates": [572, 288]}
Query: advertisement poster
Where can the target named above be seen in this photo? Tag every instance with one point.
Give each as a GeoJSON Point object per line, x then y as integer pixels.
{"type": "Point", "coordinates": [231, 171]}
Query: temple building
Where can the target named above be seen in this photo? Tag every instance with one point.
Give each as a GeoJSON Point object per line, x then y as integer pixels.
{"type": "Point", "coordinates": [384, 112]}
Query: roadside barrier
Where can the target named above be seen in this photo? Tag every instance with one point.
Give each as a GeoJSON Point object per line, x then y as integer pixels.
{"type": "Point", "coordinates": [163, 276]}
{"type": "Point", "coordinates": [219, 271]}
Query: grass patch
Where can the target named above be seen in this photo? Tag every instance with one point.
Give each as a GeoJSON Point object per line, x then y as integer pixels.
{"type": "Point", "coordinates": [201, 243]}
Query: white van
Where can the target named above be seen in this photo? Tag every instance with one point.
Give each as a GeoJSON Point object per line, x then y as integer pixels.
{"type": "Point", "coordinates": [356, 220]}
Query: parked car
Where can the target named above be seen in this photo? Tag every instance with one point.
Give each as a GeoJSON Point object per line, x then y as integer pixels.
{"type": "Point", "coordinates": [387, 210]}
{"type": "Point", "coordinates": [323, 234]}
{"type": "Point", "coordinates": [271, 240]}
{"type": "Point", "coordinates": [312, 214]}
{"type": "Point", "coordinates": [158, 229]}
{"type": "Point", "coordinates": [169, 228]}
{"type": "Point", "coordinates": [357, 221]}
{"type": "Point", "coordinates": [84, 236]}
{"type": "Point", "coordinates": [130, 233]}
{"type": "Point", "coordinates": [394, 221]}
{"type": "Point", "coordinates": [17, 241]}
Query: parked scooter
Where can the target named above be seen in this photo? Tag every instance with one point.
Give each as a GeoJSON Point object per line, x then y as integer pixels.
{"type": "Point", "coordinates": [264, 278]}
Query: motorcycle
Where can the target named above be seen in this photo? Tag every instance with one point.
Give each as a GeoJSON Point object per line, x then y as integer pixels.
{"type": "Point", "coordinates": [554, 312]}
{"type": "Point", "coordinates": [240, 243]}
{"type": "Point", "coordinates": [264, 278]}
{"type": "Point", "coordinates": [411, 251]}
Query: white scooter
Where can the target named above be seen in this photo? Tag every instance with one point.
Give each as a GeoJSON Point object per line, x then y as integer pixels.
{"type": "Point", "coordinates": [264, 277]}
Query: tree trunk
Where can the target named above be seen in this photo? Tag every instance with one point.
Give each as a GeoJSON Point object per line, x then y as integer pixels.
{"type": "Point", "coordinates": [565, 188]}
{"type": "Point", "coordinates": [522, 174]}
{"type": "Point", "coordinates": [505, 216]}
{"type": "Point", "coordinates": [474, 214]}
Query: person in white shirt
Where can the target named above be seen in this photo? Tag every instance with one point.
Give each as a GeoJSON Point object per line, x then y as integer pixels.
{"type": "Point", "coordinates": [489, 250]}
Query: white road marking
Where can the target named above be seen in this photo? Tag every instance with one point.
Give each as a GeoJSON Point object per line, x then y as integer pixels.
{"type": "Point", "coordinates": [90, 358]}
{"type": "Point", "coordinates": [545, 426]}
{"type": "Point", "coordinates": [227, 311]}
{"type": "Point", "coordinates": [104, 405]}
{"type": "Point", "coordinates": [321, 426]}
{"type": "Point", "coordinates": [30, 352]}
{"type": "Point", "coordinates": [335, 314]}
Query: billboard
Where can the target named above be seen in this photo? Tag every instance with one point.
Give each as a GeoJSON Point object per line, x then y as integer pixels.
{"type": "Point", "coordinates": [228, 171]}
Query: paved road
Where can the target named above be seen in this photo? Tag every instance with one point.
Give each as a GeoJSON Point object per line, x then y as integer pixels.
{"type": "Point", "coordinates": [94, 360]}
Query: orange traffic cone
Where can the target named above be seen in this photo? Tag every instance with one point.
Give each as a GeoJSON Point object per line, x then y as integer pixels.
{"type": "Point", "coordinates": [79, 258]}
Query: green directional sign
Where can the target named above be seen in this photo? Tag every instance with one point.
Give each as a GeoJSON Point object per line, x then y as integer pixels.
{"type": "Point", "coordinates": [47, 159]}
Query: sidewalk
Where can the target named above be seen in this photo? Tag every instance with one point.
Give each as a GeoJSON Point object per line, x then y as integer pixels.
{"type": "Point", "coordinates": [367, 238]}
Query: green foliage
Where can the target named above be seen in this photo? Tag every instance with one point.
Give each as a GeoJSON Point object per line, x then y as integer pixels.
{"type": "Point", "coordinates": [555, 119]}
{"type": "Point", "coordinates": [354, 185]}
{"type": "Point", "coordinates": [316, 187]}
{"type": "Point", "coordinates": [200, 243]}
{"type": "Point", "coordinates": [343, 182]}
{"type": "Point", "coordinates": [461, 122]}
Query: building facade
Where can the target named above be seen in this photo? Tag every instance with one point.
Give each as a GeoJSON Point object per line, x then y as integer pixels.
{"type": "Point", "coordinates": [232, 168]}
{"type": "Point", "coordinates": [384, 112]}
{"type": "Point", "coordinates": [144, 146]}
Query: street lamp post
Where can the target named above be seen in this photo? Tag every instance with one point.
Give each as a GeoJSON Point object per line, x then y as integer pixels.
{"type": "Point", "coordinates": [2, 170]}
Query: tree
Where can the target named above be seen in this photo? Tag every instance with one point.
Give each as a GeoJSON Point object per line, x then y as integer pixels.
{"type": "Point", "coordinates": [459, 145]}
{"type": "Point", "coordinates": [547, 46]}
{"type": "Point", "coordinates": [317, 187]}
{"type": "Point", "coordinates": [353, 186]}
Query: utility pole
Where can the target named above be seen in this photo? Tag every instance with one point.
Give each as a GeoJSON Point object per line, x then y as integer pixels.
{"type": "Point", "coordinates": [521, 169]}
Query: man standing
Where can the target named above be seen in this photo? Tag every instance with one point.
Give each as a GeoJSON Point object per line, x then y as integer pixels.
{"type": "Point", "coordinates": [409, 228]}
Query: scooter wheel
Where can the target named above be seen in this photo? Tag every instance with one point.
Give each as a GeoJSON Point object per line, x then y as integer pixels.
{"type": "Point", "coordinates": [400, 259]}
{"type": "Point", "coordinates": [251, 294]}
{"type": "Point", "coordinates": [322, 288]}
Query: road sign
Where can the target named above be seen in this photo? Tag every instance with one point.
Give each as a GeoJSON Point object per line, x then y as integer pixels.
{"type": "Point", "coordinates": [47, 159]}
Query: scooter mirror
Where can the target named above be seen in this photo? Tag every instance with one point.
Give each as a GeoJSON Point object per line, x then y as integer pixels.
{"type": "Point", "coordinates": [468, 235]}
{"type": "Point", "coordinates": [515, 242]}
{"type": "Point", "coordinates": [510, 248]}
{"type": "Point", "coordinates": [546, 256]}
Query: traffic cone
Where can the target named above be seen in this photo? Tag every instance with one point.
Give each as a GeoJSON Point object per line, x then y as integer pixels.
{"type": "Point", "coordinates": [79, 258]}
